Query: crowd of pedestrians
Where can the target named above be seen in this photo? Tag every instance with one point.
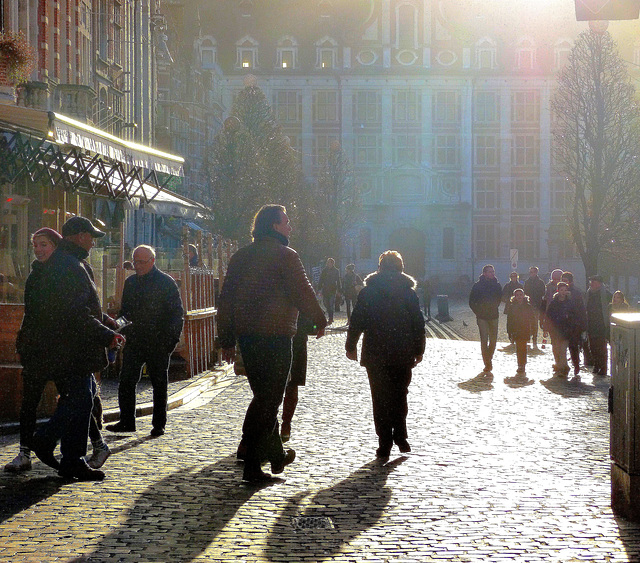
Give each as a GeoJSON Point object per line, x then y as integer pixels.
{"type": "Point", "coordinates": [267, 309]}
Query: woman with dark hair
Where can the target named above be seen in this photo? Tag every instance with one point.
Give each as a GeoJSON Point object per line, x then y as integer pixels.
{"type": "Point", "coordinates": [388, 313]}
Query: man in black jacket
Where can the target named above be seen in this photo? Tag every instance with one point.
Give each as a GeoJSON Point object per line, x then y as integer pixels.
{"type": "Point", "coordinates": [534, 289]}
{"type": "Point", "coordinates": [484, 300]}
{"type": "Point", "coordinates": [76, 348]}
{"type": "Point", "coordinates": [151, 302]}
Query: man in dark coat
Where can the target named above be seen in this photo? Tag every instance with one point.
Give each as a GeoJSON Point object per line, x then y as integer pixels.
{"type": "Point", "coordinates": [484, 300]}
{"type": "Point", "coordinates": [76, 347]}
{"type": "Point", "coordinates": [265, 287]}
{"type": "Point", "coordinates": [388, 313]}
{"type": "Point", "coordinates": [598, 299]}
{"type": "Point", "coordinates": [151, 302]}
{"type": "Point", "coordinates": [534, 289]}
{"type": "Point", "coordinates": [329, 286]}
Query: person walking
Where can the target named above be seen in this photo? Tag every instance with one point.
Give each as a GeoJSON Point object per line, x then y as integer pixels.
{"type": "Point", "coordinates": [484, 300]}
{"type": "Point", "coordinates": [565, 321]}
{"type": "Point", "coordinates": [598, 299]}
{"type": "Point", "coordinates": [349, 283]}
{"type": "Point", "coordinates": [388, 314]}
{"type": "Point", "coordinates": [151, 302]}
{"type": "Point", "coordinates": [74, 341]}
{"type": "Point", "coordinates": [427, 293]}
{"type": "Point", "coordinates": [265, 287]}
{"type": "Point", "coordinates": [521, 324]}
{"type": "Point", "coordinates": [329, 286]}
{"type": "Point", "coordinates": [507, 293]}
{"type": "Point", "coordinates": [534, 289]}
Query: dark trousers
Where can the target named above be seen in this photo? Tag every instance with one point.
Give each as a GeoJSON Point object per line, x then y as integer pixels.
{"type": "Point", "coordinates": [521, 351]}
{"type": "Point", "coordinates": [488, 337]}
{"type": "Point", "coordinates": [389, 388]}
{"type": "Point", "coordinates": [267, 360]}
{"type": "Point", "coordinates": [329, 300]}
{"type": "Point", "coordinates": [70, 422]}
{"type": "Point", "coordinates": [350, 303]}
{"type": "Point", "coordinates": [33, 385]}
{"type": "Point", "coordinates": [427, 305]}
{"type": "Point", "coordinates": [599, 355]}
{"type": "Point", "coordinates": [157, 362]}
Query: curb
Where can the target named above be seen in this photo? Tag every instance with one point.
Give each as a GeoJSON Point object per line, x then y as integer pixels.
{"type": "Point", "coordinates": [205, 382]}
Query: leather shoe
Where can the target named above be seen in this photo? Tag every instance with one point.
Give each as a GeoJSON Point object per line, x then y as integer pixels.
{"type": "Point", "coordinates": [120, 427]}
{"type": "Point", "coordinates": [383, 452]}
{"type": "Point", "coordinates": [278, 466]}
{"type": "Point", "coordinates": [403, 446]}
{"type": "Point", "coordinates": [44, 451]}
{"type": "Point", "coordinates": [157, 431]}
{"type": "Point", "coordinates": [81, 471]}
{"type": "Point", "coordinates": [255, 475]}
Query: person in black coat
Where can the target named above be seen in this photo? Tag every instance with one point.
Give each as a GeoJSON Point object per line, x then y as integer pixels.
{"type": "Point", "coordinates": [484, 300]}
{"type": "Point", "coordinates": [388, 313]}
{"type": "Point", "coordinates": [151, 302]}
{"type": "Point", "coordinates": [521, 324]}
{"type": "Point", "coordinates": [534, 289]}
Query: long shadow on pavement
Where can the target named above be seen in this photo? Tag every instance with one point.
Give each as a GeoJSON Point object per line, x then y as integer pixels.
{"type": "Point", "coordinates": [176, 518]}
{"type": "Point", "coordinates": [567, 388]}
{"type": "Point", "coordinates": [333, 516]}
{"type": "Point", "coordinates": [19, 492]}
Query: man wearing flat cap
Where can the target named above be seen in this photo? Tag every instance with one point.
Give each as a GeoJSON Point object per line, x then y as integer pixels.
{"type": "Point", "coordinates": [598, 323]}
{"type": "Point", "coordinates": [78, 338]}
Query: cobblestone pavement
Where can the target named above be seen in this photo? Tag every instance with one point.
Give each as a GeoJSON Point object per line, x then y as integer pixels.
{"type": "Point", "coordinates": [497, 473]}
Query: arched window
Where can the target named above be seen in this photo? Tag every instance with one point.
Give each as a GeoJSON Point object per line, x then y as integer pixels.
{"type": "Point", "coordinates": [247, 52]}
{"type": "Point", "coordinates": [406, 26]}
{"type": "Point", "coordinates": [207, 48]}
{"type": "Point", "coordinates": [287, 53]}
{"type": "Point", "coordinates": [486, 54]}
{"type": "Point", "coordinates": [526, 54]}
{"type": "Point", "coordinates": [325, 9]}
{"type": "Point", "coordinates": [561, 52]}
{"type": "Point", "coordinates": [326, 53]}
{"type": "Point", "coordinates": [246, 8]}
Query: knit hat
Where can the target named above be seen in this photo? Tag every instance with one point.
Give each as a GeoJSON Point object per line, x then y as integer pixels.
{"type": "Point", "coordinates": [51, 234]}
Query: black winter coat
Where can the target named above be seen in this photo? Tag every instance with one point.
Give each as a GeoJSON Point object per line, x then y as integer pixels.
{"type": "Point", "coordinates": [521, 321]}
{"type": "Point", "coordinates": [388, 313]}
{"type": "Point", "coordinates": [485, 298]}
{"type": "Point", "coordinates": [153, 305]}
{"type": "Point", "coordinates": [534, 289]}
{"type": "Point", "coordinates": [565, 319]}
{"type": "Point", "coordinates": [69, 316]}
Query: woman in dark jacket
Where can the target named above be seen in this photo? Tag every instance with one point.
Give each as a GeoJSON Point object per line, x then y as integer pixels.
{"type": "Point", "coordinates": [388, 313]}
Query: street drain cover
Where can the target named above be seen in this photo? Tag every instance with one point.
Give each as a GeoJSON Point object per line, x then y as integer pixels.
{"type": "Point", "coordinates": [311, 523]}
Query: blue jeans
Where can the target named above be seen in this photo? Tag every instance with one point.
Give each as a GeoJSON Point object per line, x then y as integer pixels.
{"type": "Point", "coordinates": [70, 422]}
{"type": "Point", "coordinates": [267, 360]}
{"type": "Point", "coordinates": [488, 338]}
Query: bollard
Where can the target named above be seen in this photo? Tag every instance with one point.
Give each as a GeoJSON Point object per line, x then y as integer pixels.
{"type": "Point", "coordinates": [624, 409]}
{"type": "Point", "coordinates": [443, 308]}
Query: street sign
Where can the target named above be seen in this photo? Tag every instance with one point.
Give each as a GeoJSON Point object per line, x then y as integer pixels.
{"type": "Point", "coordinates": [513, 253]}
{"type": "Point", "coordinates": [589, 10]}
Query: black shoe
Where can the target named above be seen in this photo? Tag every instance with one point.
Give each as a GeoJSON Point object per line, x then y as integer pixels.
{"type": "Point", "coordinates": [121, 427]}
{"type": "Point", "coordinates": [157, 431]}
{"type": "Point", "coordinates": [278, 466]}
{"type": "Point", "coordinates": [241, 454]}
{"type": "Point", "coordinates": [403, 446]}
{"type": "Point", "coordinates": [255, 475]}
{"type": "Point", "coordinates": [383, 452]}
{"type": "Point", "coordinates": [44, 451]}
{"type": "Point", "coordinates": [82, 472]}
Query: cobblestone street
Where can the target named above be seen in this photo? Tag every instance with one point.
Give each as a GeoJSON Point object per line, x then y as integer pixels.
{"type": "Point", "coordinates": [498, 472]}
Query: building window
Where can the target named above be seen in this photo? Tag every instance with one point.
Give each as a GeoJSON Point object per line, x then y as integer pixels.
{"type": "Point", "coordinates": [525, 107]}
{"type": "Point", "coordinates": [524, 237]}
{"type": "Point", "coordinates": [561, 53]}
{"type": "Point", "coordinates": [486, 54]}
{"type": "Point", "coordinates": [321, 146]}
{"type": "Point", "coordinates": [524, 194]}
{"type": "Point", "coordinates": [246, 8]}
{"type": "Point", "coordinates": [525, 151]}
{"type": "Point", "coordinates": [448, 243]}
{"type": "Point", "coordinates": [486, 241]}
{"type": "Point", "coordinates": [325, 106]}
{"type": "Point", "coordinates": [406, 27]}
{"type": "Point", "coordinates": [407, 106]}
{"type": "Point", "coordinates": [406, 149]}
{"type": "Point", "coordinates": [287, 53]}
{"type": "Point", "coordinates": [446, 151]}
{"type": "Point", "coordinates": [486, 107]}
{"type": "Point", "coordinates": [561, 196]}
{"type": "Point", "coordinates": [526, 54]}
{"type": "Point", "coordinates": [486, 150]}
{"type": "Point", "coordinates": [367, 150]}
{"type": "Point", "coordinates": [367, 107]}
{"type": "Point", "coordinates": [207, 52]}
{"type": "Point", "coordinates": [326, 53]}
{"type": "Point", "coordinates": [287, 106]}
{"type": "Point", "coordinates": [247, 53]}
{"type": "Point", "coordinates": [486, 193]}
{"type": "Point", "coordinates": [365, 243]}
{"type": "Point", "coordinates": [446, 107]}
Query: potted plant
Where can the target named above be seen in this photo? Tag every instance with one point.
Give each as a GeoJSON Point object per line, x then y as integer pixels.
{"type": "Point", "coordinates": [17, 60]}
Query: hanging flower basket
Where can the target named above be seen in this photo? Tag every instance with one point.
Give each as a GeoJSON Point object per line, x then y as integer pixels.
{"type": "Point", "coordinates": [17, 58]}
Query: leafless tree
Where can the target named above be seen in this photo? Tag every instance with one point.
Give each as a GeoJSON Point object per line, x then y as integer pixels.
{"type": "Point", "coordinates": [597, 143]}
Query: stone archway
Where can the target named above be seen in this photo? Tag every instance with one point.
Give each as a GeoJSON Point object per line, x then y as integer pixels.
{"type": "Point", "coordinates": [411, 243]}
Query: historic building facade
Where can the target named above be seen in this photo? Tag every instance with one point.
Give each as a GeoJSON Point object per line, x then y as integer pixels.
{"type": "Point", "coordinates": [442, 107]}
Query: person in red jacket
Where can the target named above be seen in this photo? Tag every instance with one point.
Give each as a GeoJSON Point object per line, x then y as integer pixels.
{"type": "Point", "coordinates": [265, 287]}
